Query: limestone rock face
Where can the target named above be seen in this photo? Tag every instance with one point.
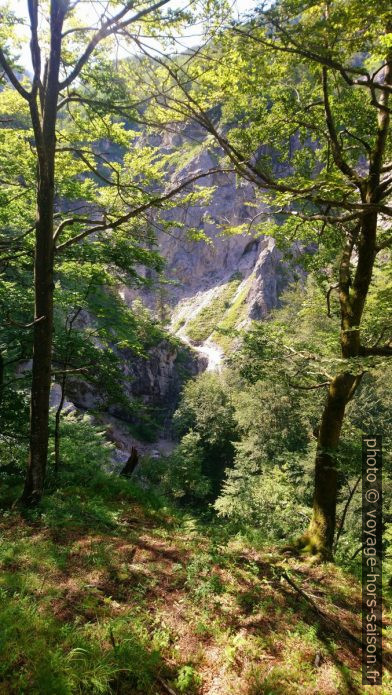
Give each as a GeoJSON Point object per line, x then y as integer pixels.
{"type": "Point", "coordinates": [154, 381]}
{"type": "Point", "coordinates": [194, 267]}
{"type": "Point", "coordinates": [270, 277]}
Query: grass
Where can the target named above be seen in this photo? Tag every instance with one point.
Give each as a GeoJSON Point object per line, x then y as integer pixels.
{"type": "Point", "coordinates": [204, 324]}
{"type": "Point", "coordinates": [106, 589]}
{"type": "Point", "coordinates": [179, 324]}
{"type": "Point", "coordinates": [225, 330]}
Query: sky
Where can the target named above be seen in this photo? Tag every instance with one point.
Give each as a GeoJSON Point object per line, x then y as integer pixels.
{"type": "Point", "coordinates": [92, 9]}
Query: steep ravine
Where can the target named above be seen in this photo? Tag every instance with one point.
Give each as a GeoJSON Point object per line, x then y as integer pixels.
{"type": "Point", "coordinates": [209, 293]}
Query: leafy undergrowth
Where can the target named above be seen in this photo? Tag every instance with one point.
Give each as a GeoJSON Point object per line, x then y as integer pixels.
{"type": "Point", "coordinates": [106, 590]}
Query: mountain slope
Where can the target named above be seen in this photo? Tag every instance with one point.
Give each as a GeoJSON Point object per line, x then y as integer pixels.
{"type": "Point", "coordinates": [104, 589]}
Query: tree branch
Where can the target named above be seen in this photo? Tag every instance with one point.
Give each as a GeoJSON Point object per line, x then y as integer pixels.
{"type": "Point", "coordinates": [345, 510]}
{"type": "Point", "coordinates": [72, 370]}
{"type": "Point", "coordinates": [376, 350]}
{"type": "Point", "coordinates": [25, 325]}
{"type": "Point", "coordinates": [34, 46]}
{"type": "Point", "coordinates": [309, 388]}
{"type": "Point", "coordinates": [335, 146]}
{"type": "Point", "coordinates": [368, 82]}
{"type": "Point", "coordinates": [70, 221]}
{"type": "Point", "coordinates": [109, 27]}
{"type": "Point", "coordinates": [12, 77]}
{"type": "Point", "coordinates": [153, 202]}
{"type": "Point", "coordinates": [328, 297]}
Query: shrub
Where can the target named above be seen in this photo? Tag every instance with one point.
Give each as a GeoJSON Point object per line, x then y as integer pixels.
{"type": "Point", "coordinates": [267, 500]}
{"type": "Point", "coordinates": [182, 476]}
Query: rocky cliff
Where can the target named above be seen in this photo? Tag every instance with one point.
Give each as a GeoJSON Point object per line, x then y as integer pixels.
{"type": "Point", "coordinates": [151, 383]}
{"type": "Point", "coordinates": [198, 273]}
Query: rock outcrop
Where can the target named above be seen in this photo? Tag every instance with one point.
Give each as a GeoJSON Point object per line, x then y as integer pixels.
{"type": "Point", "coordinates": [152, 382]}
{"type": "Point", "coordinates": [156, 381]}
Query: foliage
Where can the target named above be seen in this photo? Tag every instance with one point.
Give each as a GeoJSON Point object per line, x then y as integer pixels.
{"type": "Point", "coordinates": [269, 484]}
{"type": "Point", "coordinates": [182, 477]}
{"type": "Point", "coordinates": [188, 680]}
{"type": "Point", "coordinates": [207, 410]}
{"type": "Point", "coordinates": [268, 499]}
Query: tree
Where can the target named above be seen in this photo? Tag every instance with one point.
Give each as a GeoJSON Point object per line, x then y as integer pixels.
{"type": "Point", "coordinates": [297, 99]}
{"type": "Point", "coordinates": [62, 122]}
{"type": "Point", "coordinates": [311, 343]}
{"type": "Point", "coordinates": [207, 412]}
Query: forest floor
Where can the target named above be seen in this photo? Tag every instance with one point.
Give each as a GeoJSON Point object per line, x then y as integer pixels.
{"type": "Point", "coordinates": [104, 589]}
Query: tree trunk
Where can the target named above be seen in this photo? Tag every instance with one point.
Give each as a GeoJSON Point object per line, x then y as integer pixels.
{"type": "Point", "coordinates": [1, 375]}
{"type": "Point", "coordinates": [319, 537]}
{"type": "Point", "coordinates": [43, 110]}
{"type": "Point", "coordinates": [320, 534]}
{"type": "Point", "coordinates": [352, 297]}
{"type": "Point", "coordinates": [42, 345]}
{"type": "Point", "coordinates": [131, 464]}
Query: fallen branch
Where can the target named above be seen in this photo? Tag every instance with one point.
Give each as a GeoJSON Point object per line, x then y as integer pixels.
{"type": "Point", "coordinates": [166, 686]}
{"type": "Point", "coordinates": [320, 612]}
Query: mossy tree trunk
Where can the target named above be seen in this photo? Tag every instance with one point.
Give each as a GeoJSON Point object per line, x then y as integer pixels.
{"type": "Point", "coordinates": [320, 534]}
